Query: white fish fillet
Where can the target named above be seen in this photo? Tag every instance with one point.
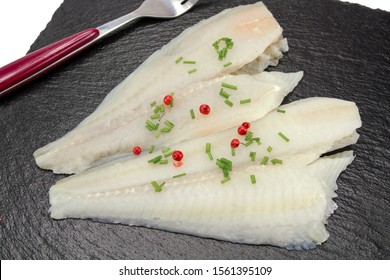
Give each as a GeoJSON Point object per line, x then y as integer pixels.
{"type": "Point", "coordinates": [257, 38]}
{"type": "Point", "coordinates": [314, 126]}
{"type": "Point", "coordinates": [287, 206]}
{"type": "Point", "coordinates": [266, 91]}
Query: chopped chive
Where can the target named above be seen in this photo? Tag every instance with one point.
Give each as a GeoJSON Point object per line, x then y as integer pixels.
{"type": "Point", "coordinates": [276, 161]}
{"type": "Point", "coordinates": [253, 179]}
{"type": "Point", "coordinates": [248, 135]}
{"type": "Point", "coordinates": [250, 142]}
{"type": "Point", "coordinates": [155, 160]}
{"type": "Point", "coordinates": [233, 152]}
{"type": "Point", "coordinates": [151, 149]}
{"type": "Point", "coordinates": [158, 133]}
{"type": "Point", "coordinates": [226, 179]}
{"type": "Point", "coordinates": [208, 147]}
{"type": "Point", "coordinates": [189, 62]}
{"type": "Point", "coordinates": [168, 154]}
{"type": "Point", "coordinates": [157, 187]}
{"type": "Point", "coordinates": [165, 150]}
{"type": "Point", "coordinates": [162, 108]}
{"type": "Point", "coordinates": [269, 149]}
{"type": "Point", "coordinates": [153, 104]}
{"type": "Point", "coordinates": [257, 140]}
{"type": "Point", "coordinates": [163, 161]}
{"type": "Point", "coordinates": [265, 160]}
{"type": "Point", "coordinates": [192, 71]}
{"type": "Point", "coordinates": [221, 164]}
{"type": "Point", "coordinates": [252, 155]}
{"type": "Point", "coordinates": [229, 103]}
{"type": "Point", "coordinates": [192, 114]}
{"type": "Point", "coordinates": [222, 53]}
{"type": "Point", "coordinates": [155, 116]}
{"type": "Point", "coordinates": [245, 101]}
{"type": "Point", "coordinates": [171, 103]}
{"type": "Point", "coordinates": [230, 86]}
{"type": "Point", "coordinates": [225, 173]}
{"type": "Point", "coordinates": [150, 126]}
{"type": "Point", "coordinates": [228, 163]}
{"type": "Point", "coordinates": [156, 110]}
{"type": "Point", "coordinates": [224, 94]}
{"type": "Point", "coordinates": [179, 175]}
{"type": "Point", "coordinates": [280, 111]}
{"type": "Point", "coordinates": [210, 156]}
{"type": "Point", "coordinates": [227, 64]}
{"type": "Point", "coordinates": [178, 60]}
{"type": "Point", "coordinates": [169, 124]}
{"type": "Point", "coordinates": [166, 129]}
{"type": "Point", "coordinates": [283, 136]}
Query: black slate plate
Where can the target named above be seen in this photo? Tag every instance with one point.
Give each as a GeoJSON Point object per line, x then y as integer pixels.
{"type": "Point", "coordinates": [344, 50]}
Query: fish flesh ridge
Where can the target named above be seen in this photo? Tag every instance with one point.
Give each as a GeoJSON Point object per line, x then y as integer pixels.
{"type": "Point", "coordinates": [257, 38]}
{"type": "Point", "coordinates": [288, 205]}
{"type": "Point", "coordinates": [314, 126]}
{"type": "Point", "coordinates": [265, 91]}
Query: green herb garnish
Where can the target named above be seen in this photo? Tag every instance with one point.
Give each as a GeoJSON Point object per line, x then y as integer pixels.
{"type": "Point", "coordinates": [269, 149]}
{"type": "Point", "coordinates": [264, 160]}
{"type": "Point", "coordinates": [283, 136]}
{"type": "Point", "coordinates": [222, 52]}
{"type": "Point", "coordinates": [226, 179]}
{"type": "Point", "coordinates": [227, 64]}
{"type": "Point", "coordinates": [155, 160]}
{"type": "Point", "coordinates": [280, 111]}
{"type": "Point", "coordinates": [245, 101]}
{"type": "Point", "coordinates": [192, 71]}
{"type": "Point", "coordinates": [230, 86]}
{"type": "Point", "coordinates": [277, 161]}
{"type": "Point", "coordinates": [169, 124]}
{"type": "Point", "coordinates": [179, 175]}
{"type": "Point", "coordinates": [252, 155]}
{"type": "Point", "coordinates": [224, 94]}
{"type": "Point", "coordinates": [165, 150]}
{"type": "Point", "coordinates": [192, 114]}
{"type": "Point", "coordinates": [189, 62]}
{"type": "Point", "coordinates": [157, 187]}
{"type": "Point", "coordinates": [229, 103]}
{"type": "Point", "coordinates": [178, 60]}
{"type": "Point", "coordinates": [253, 179]}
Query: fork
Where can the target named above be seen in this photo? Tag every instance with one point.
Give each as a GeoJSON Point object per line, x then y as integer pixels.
{"type": "Point", "coordinates": [35, 64]}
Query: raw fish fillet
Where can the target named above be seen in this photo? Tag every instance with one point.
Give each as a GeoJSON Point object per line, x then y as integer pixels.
{"type": "Point", "coordinates": [257, 39]}
{"type": "Point", "coordinates": [288, 205]}
{"type": "Point", "coordinates": [314, 126]}
{"type": "Point", "coordinates": [265, 90]}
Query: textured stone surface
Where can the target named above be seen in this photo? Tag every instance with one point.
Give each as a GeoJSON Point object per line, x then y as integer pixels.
{"type": "Point", "coordinates": [344, 50]}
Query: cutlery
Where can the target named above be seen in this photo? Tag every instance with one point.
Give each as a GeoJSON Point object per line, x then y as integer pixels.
{"type": "Point", "coordinates": [35, 64]}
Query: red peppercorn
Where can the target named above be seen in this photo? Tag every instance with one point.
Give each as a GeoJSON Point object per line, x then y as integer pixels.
{"type": "Point", "coordinates": [246, 125]}
{"type": "Point", "coordinates": [168, 99]}
{"type": "Point", "coordinates": [204, 109]}
{"type": "Point", "coordinates": [242, 130]}
{"type": "Point", "coordinates": [235, 143]}
{"type": "Point", "coordinates": [177, 155]}
{"type": "Point", "coordinates": [137, 150]}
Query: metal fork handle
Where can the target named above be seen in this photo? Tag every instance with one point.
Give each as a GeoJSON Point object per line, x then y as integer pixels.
{"type": "Point", "coordinates": [37, 63]}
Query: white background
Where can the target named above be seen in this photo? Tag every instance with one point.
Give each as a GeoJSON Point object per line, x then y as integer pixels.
{"type": "Point", "coordinates": [21, 21]}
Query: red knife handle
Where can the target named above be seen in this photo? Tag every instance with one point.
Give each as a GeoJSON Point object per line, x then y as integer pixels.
{"type": "Point", "coordinates": [35, 64]}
